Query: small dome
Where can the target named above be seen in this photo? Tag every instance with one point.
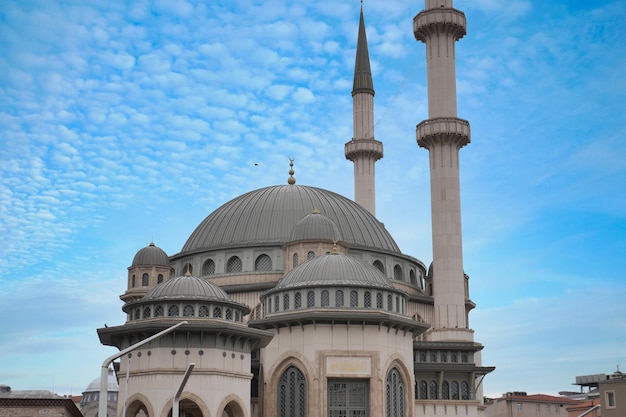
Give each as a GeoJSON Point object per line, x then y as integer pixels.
{"type": "Point", "coordinates": [151, 255]}
{"type": "Point", "coordinates": [186, 287]}
{"type": "Point", "coordinates": [94, 386]}
{"type": "Point", "coordinates": [334, 269]}
{"type": "Point", "coordinates": [315, 226]}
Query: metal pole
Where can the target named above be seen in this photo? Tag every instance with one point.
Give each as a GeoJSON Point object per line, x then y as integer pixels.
{"type": "Point", "coordinates": [175, 403]}
{"type": "Point", "coordinates": [104, 370]}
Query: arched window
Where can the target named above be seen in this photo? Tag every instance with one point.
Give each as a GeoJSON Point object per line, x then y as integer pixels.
{"type": "Point", "coordinates": [354, 298]}
{"type": "Point", "coordinates": [339, 298]}
{"type": "Point", "coordinates": [395, 394]}
{"type": "Point", "coordinates": [292, 393]}
{"type": "Point", "coordinates": [464, 358]}
{"type": "Point", "coordinates": [310, 299]}
{"type": "Point", "coordinates": [464, 390]}
{"type": "Point", "coordinates": [217, 312]}
{"type": "Point", "coordinates": [233, 264]}
{"type": "Point", "coordinates": [229, 314]}
{"type": "Point", "coordinates": [146, 312]}
{"type": "Point", "coordinates": [412, 277]}
{"type": "Point", "coordinates": [286, 301]}
{"type": "Point", "coordinates": [379, 300]}
{"type": "Point", "coordinates": [397, 273]}
{"type": "Point", "coordinates": [294, 261]}
{"type": "Point", "coordinates": [132, 281]}
{"type": "Point", "coordinates": [445, 390]}
{"type": "Point", "coordinates": [310, 255]}
{"type": "Point", "coordinates": [263, 263]}
{"type": "Point", "coordinates": [432, 392]}
{"type": "Point", "coordinates": [187, 268]}
{"type": "Point", "coordinates": [297, 300]}
{"type": "Point", "coordinates": [188, 311]}
{"type": "Point", "coordinates": [455, 390]}
{"type": "Point", "coordinates": [276, 303]}
{"type": "Point", "coordinates": [433, 357]}
{"type": "Point", "coordinates": [145, 280]}
{"type": "Point", "coordinates": [367, 299]}
{"type": "Point", "coordinates": [423, 390]}
{"type": "Point", "coordinates": [159, 278]}
{"type": "Point", "coordinates": [173, 311]}
{"type": "Point", "coordinates": [453, 358]}
{"type": "Point", "coordinates": [208, 267]}
{"type": "Point", "coordinates": [380, 266]}
{"type": "Point", "coordinates": [397, 304]}
{"type": "Point", "coordinates": [203, 311]}
{"type": "Point", "coordinates": [443, 356]}
{"type": "Point", "coordinates": [325, 298]}
{"type": "Point", "coordinates": [158, 311]}
{"type": "Point", "coordinates": [389, 302]}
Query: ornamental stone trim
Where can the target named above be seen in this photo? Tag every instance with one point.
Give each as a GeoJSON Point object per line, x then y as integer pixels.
{"type": "Point", "coordinates": [364, 147]}
{"type": "Point", "coordinates": [443, 130]}
{"type": "Point", "coordinates": [437, 21]}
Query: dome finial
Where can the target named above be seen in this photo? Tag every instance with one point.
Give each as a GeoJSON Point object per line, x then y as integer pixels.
{"type": "Point", "coordinates": [291, 180]}
{"type": "Point", "coordinates": [334, 251]}
{"type": "Point", "coordinates": [187, 273]}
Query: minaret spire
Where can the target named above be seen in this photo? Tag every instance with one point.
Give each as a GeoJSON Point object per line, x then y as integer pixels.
{"type": "Point", "coordinates": [439, 26]}
{"type": "Point", "coordinates": [363, 149]}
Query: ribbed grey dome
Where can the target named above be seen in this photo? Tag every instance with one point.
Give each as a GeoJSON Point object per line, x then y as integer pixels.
{"type": "Point", "coordinates": [267, 217]}
{"type": "Point", "coordinates": [334, 269]}
{"type": "Point", "coordinates": [94, 386]}
{"type": "Point", "coordinates": [151, 255]}
{"type": "Point", "coordinates": [187, 287]}
{"type": "Point", "coordinates": [315, 226]}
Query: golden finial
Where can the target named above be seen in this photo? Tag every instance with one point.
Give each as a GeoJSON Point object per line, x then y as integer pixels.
{"type": "Point", "coordinates": [187, 273]}
{"type": "Point", "coordinates": [316, 210]}
{"type": "Point", "coordinates": [334, 251]}
{"type": "Point", "coordinates": [291, 180]}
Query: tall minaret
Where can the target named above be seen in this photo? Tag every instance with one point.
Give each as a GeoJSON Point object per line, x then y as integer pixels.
{"type": "Point", "coordinates": [363, 149]}
{"type": "Point", "coordinates": [439, 26]}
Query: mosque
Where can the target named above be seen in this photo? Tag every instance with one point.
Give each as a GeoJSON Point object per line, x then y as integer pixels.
{"type": "Point", "coordinates": [299, 302]}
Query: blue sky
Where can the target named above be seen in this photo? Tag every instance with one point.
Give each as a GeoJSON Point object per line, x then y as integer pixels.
{"type": "Point", "coordinates": [122, 123]}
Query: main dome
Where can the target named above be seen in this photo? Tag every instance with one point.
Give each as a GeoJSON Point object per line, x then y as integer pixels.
{"type": "Point", "coordinates": [268, 215]}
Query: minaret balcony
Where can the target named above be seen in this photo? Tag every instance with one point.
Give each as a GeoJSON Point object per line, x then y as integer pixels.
{"type": "Point", "coordinates": [444, 20]}
{"type": "Point", "coordinates": [443, 130]}
{"type": "Point", "coordinates": [370, 148]}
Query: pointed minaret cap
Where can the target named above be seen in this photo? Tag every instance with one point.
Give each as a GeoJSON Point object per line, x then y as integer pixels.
{"type": "Point", "coordinates": [363, 82]}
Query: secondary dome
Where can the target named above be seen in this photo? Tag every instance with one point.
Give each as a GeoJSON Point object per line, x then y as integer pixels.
{"type": "Point", "coordinates": [334, 269]}
{"type": "Point", "coordinates": [315, 226]}
{"type": "Point", "coordinates": [151, 255]}
{"type": "Point", "coordinates": [267, 217]}
{"type": "Point", "coordinates": [186, 287]}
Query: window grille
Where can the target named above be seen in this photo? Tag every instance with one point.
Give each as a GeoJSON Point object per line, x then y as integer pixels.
{"type": "Point", "coordinates": [229, 314]}
{"type": "Point", "coordinates": [160, 279]}
{"type": "Point", "coordinates": [295, 260]}
{"type": "Point", "coordinates": [285, 301]}
{"type": "Point", "coordinates": [188, 311]}
{"type": "Point", "coordinates": [354, 298]}
{"type": "Point", "coordinates": [432, 393]}
{"type": "Point", "coordinates": [325, 298]}
{"type": "Point", "coordinates": [389, 302]}
{"type": "Point", "coordinates": [276, 303]}
{"type": "Point", "coordinates": [208, 268]}
{"type": "Point", "coordinates": [158, 311]}
{"type": "Point", "coordinates": [233, 264]}
{"type": "Point", "coordinates": [310, 299]}
{"type": "Point", "coordinates": [423, 390]}
{"type": "Point", "coordinates": [397, 273]}
{"type": "Point", "coordinates": [263, 263]}
{"type": "Point", "coordinates": [453, 358]}
{"type": "Point", "coordinates": [445, 390]}
{"type": "Point", "coordinates": [145, 280]}
{"type": "Point", "coordinates": [146, 313]}
{"type": "Point", "coordinates": [464, 358]}
{"type": "Point", "coordinates": [379, 300]}
{"type": "Point", "coordinates": [367, 299]}
{"type": "Point", "coordinates": [297, 300]}
{"type": "Point", "coordinates": [444, 357]}
{"type": "Point", "coordinates": [292, 393]}
{"type": "Point", "coordinates": [339, 298]}
{"type": "Point", "coordinates": [464, 390]}
{"type": "Point", "coordinates": [203, 311]}
{"type": "Point", "coordinates": [310, 255]}
{"type": "Point", "coordinates": [348, 398]}
{"type": "Point", "coordinates": [455, 390]}
{"type": "Point", "coordinates": [217, 312]}
{"type": "Point", "coordinates": [172, 311]}
{"type": "Point", "coordinates": [395, 394]}
{"type": "Point", "coordinates": [380, 266]}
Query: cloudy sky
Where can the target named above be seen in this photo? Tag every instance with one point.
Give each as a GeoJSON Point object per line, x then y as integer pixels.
{"type": "Point", "coordinates": [126, 122]}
